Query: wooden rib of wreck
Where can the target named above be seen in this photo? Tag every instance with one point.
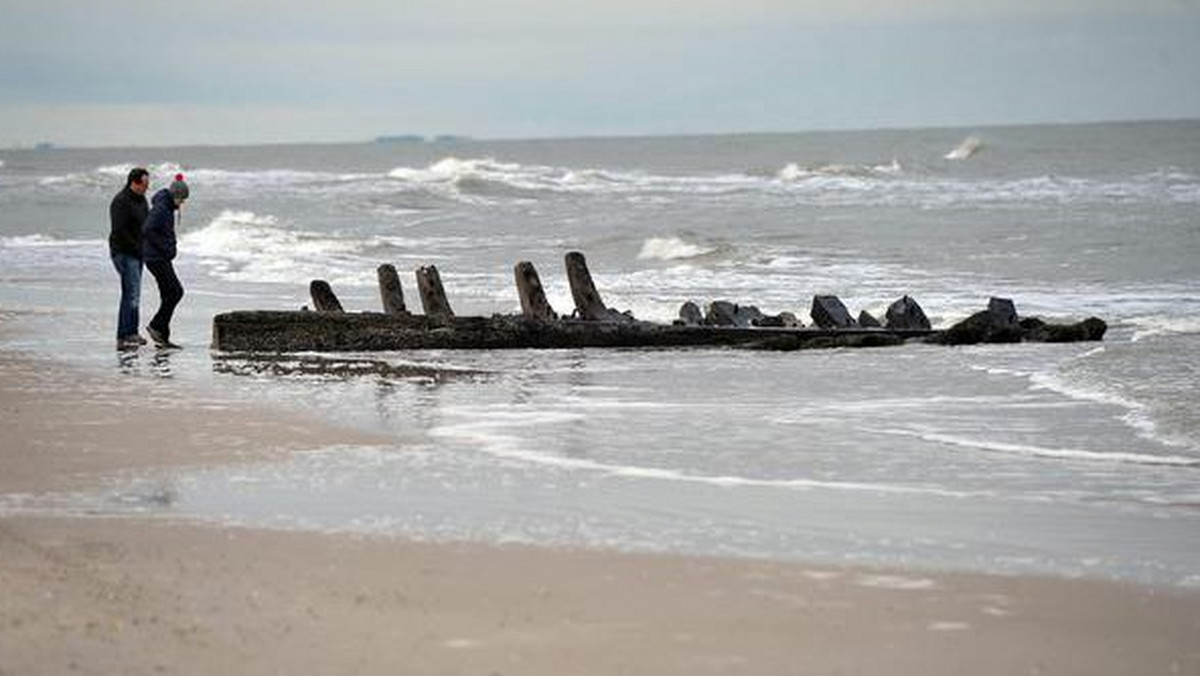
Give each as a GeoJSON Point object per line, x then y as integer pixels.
{"type": "Point", "coordinates": [593, 324]}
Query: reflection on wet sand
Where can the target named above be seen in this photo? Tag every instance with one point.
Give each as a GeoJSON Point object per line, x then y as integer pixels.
{"type": "Point", "coordinates": [339, 367]}
{"type": "Point", "coordinates": [129, 362]}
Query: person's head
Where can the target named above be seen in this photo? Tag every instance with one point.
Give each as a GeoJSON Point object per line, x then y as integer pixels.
{"type": "Point", "coordinates": [138, 180]}
{"type": "Point", "coordinates": [179, 190]}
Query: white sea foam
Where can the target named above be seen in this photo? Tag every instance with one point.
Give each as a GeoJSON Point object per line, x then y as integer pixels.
{"type": "Point", "coordinates": [485, 179]}
{"type": "Point", "coordinates": [1055, 453]}
{"type": "Point", "coordinates": [221, 181]}
{"type": "Point", "coordinates": [1160, 325]}
{"type": "Point", "coordinates": [795, 172]}
{"type": "Point", "coordinates": [672, 249]}
{"type": "Point", "coordinates": [245, 246]}
{"type": "Point", "coordinates": [1137, 414]}
{"type": "Point", "coordinates": [895, 582]}
{"type": "Point", "coordinates": [487, 176]}
{"type": "Point", "coordinates": [964, 150]}
{"type": "Point", "coordinates": [46, 242]}
{"type": "Point", "coordinates": [949, 626]}
{"type": "Point", "coordinates": [487, 432]}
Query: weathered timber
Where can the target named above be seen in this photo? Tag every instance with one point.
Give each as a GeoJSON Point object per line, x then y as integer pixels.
{"type": "Point", "coordinates": [331, 329]}
{"type": "Point", "coordinates": [283, 331]}
{"type": "Point", "coordinates": [828, 312]}
{"type": "Point", "coordinates": [390, 291]}
{"type": "Point", "coordinates": [533, 297]}
{"type": "Point", "coordinates": [323, 297]}
{"type": "Point", "coordinates": [690, 315]}
{"type": "Point", "coordinates": [725, 313]}
{"type": "Point", "coordinates": [433, 296]}
{"type": "Point", "coordinates": [868, 321]}
{"type": "Point", "coordinates": [588, 305]}
{"type": "Point", "coordinates": [781, 320]}
{"type": "Point", "coordinates": [906, 313]}
{"type": "Point", "coordinates": [999, 323]}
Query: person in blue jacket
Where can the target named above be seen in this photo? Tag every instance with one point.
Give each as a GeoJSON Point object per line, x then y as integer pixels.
{"type": "Point", "coordinates": [158, 250]}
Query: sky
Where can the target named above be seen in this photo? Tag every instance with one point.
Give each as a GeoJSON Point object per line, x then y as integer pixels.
{"type": "Point", "coordinates": [101, 73]}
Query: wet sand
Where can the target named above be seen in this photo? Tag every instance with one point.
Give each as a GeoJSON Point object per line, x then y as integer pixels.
{"type": "Point", "coordinates": [146, 596]}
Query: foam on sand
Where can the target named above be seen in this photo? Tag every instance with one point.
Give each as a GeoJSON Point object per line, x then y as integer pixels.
{"type": "Point", "coordinates": [487, 434]}
{"type": "Point", "coordinates": [1053, 453]}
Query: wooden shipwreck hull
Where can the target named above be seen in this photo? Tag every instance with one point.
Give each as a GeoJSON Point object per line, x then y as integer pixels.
{"type": "Point", "coordinates": [296, 331]}
{"type": "Point", "coordinates": [330, 329]}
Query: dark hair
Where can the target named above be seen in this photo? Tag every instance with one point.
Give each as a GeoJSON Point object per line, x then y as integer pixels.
{"type": "Point", "coordinates": [135, 176]}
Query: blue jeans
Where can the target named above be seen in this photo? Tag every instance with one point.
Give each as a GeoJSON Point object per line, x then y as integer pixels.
{"type": "Point", "coordinates": [130, 269]}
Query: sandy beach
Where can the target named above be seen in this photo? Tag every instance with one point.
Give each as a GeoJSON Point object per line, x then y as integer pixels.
{"type": "Point", "coordinates": [152, 596]}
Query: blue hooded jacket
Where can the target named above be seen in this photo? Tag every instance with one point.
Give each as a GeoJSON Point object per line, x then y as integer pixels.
{"type": "Point", "coordinates": [158, 234]}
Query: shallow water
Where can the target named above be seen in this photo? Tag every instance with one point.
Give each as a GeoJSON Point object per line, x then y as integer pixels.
{"type": "Point", "coordinates": [1063, 459]}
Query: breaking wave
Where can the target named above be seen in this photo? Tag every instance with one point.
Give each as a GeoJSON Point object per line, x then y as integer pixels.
{"type": "Point", "coordinates": [1162, 325]}
{"type": "Point", "coordinates": [672, 249]}
{"type": "Point", "coordinates": [245, 246]}
{"type": "Point", "coordinates": [487, 179]}
{"type": "Point", "coordinates": [964, 150]}
{"type": "Point", "coordinates": [795, 172]}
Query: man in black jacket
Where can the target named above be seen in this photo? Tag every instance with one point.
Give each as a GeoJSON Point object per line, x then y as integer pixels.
{"type": "Point", "coordinates": [128, 212]}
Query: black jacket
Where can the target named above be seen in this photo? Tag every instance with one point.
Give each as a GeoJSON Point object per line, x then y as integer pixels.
{"type": "Point", "coordinates": [158, 234]}
{"type": "Point", "coordinates": [127, 212]}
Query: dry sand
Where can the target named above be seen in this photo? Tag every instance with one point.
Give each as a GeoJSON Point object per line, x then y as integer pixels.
{"type": "Point", "coordinates": [141, 596]}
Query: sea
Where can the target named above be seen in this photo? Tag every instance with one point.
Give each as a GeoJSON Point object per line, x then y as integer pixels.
{"type": "Point", "coordinates": [1069, 460]}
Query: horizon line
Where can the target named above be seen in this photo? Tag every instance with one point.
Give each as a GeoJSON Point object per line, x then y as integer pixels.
{"type": "Point", "coordinates": [452, 139]}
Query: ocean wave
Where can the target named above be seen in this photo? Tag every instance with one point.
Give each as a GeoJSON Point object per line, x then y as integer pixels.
{"type": "Point", "coordinates": [795, 172]}
{"type": "Point", "coordinates": [1163, 325]}
{"type": "Point", "coordinates": [831, 184]}
{"type": "Point", "coordinates": [485, 176]}
{"type": "Point", "coordinates": [249, 247]}
{"type": "Point", "coordinates": [672, 249]}
{"type": "Point", "coordinates": [965, 149]}
{"type": "Point", "coordinates": [489, 177]}
{"type": "Point", "coordinates": [212, 181]}
{"type": "Point", "coordinates": [111, 176]}
{"type": "Point", "coordinates": [245, 246]}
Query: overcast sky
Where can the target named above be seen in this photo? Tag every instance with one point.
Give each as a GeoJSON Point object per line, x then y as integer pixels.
{"type": "Point", "coordinates": [93, 72]}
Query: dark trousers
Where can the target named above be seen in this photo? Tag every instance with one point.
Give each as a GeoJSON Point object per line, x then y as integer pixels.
{"type": "Point", "coordinates": [130, 270]}
{"type": "Point", "coordinates": [170, 292]}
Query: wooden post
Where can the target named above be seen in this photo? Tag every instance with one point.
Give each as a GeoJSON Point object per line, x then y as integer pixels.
{"type": "Point", "coordinates": [587, 299]}
{"type": "Point", "coordinates": [433, 296]}
{"type": "Point", "coordinates": [323, 298]}
{"type": "Point", "coordinates": [390, 292]}
{"type": "Point", "coordinates": [533, 298]}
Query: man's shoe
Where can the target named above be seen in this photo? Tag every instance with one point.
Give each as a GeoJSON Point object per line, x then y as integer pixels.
{"type": "Point", "coordinates": [128, 343]}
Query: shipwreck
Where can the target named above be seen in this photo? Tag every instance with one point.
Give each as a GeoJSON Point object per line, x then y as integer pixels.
{"type": "Point", "coordinates": [328, 327]}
